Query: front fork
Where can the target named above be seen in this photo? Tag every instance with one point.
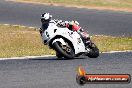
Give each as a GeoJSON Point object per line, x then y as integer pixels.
{"type": "Point", "coordinates": [86, 41]}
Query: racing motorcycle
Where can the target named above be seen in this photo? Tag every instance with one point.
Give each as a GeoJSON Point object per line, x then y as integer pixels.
{"type": "Point", "coordinates": [67, 43]}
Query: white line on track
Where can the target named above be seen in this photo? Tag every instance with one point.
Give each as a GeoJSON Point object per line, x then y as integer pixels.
{"type": "Point", "coordinates": [26, 57]}
{"type": "Point", "coordinates": [118, 51]}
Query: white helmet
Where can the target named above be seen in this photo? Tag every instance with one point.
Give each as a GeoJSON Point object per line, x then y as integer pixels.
{"type": "Point", "coordinates": [46, 17]}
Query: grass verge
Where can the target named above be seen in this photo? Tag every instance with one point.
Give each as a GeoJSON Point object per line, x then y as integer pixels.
{"type": "Point", "coordinates": [121, 5]}
{"type": "Point", "coordinates": [23, 41]}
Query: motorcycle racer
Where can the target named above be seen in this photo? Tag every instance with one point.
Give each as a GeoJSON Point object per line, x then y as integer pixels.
{"type": "Point", "coordinates": [46, 20]}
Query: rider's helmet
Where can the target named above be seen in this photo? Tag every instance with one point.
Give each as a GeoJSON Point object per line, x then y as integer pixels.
{"type": "Point", "coordinates": [46, 17]}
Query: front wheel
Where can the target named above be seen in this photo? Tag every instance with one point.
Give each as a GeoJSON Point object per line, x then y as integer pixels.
{"type": "Point", "coordinates": [94, 51]}
{"type": "Point", "coordinates": [58, 55]}
{"type": "Point", "coordinates": [64, 50]}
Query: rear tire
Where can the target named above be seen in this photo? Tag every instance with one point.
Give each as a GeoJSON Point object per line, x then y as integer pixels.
{"type": "Point", "coordinates": [62, 52]}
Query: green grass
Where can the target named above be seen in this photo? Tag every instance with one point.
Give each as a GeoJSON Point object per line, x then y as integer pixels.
{"type": "Point", "coordinates": [109, 43]}
{"type": "Point", "coordinates": [92, 3]}
{"type": "Point", "coordinates": [23, 41]}
{"type": "Point", "coordinates": [19, 41]}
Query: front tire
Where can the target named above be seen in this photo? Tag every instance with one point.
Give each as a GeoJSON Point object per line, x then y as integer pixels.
{"type": "Point", "coordinates": [58, 55]}
{"type": "Point", "coordinates": [63, 53]}
{"type": "Point", "coordinates": [94, 51]}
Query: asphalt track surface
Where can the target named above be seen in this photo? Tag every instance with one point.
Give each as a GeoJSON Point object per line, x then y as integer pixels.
{"type": "Point", "coordinates": [94, 21]}
{"type": "Point", "coordinates": [49, 72]}
{"type": "Point", "coordinates": [52, 73]}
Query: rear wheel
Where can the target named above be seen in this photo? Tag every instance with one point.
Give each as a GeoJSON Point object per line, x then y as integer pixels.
{"type": "Point", "coordinates": [64, 50]}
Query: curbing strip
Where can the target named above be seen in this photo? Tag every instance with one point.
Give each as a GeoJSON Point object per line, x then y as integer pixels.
{"type": "Point", "coordinates": [33, 57]}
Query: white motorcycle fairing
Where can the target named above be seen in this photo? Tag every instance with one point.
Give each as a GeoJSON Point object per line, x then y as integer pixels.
{"type": "Point", "coordinates": [52, 33]}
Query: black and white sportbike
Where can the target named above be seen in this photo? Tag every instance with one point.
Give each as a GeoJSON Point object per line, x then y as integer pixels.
{"type": "Point", "coordinates": [67, 43]}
